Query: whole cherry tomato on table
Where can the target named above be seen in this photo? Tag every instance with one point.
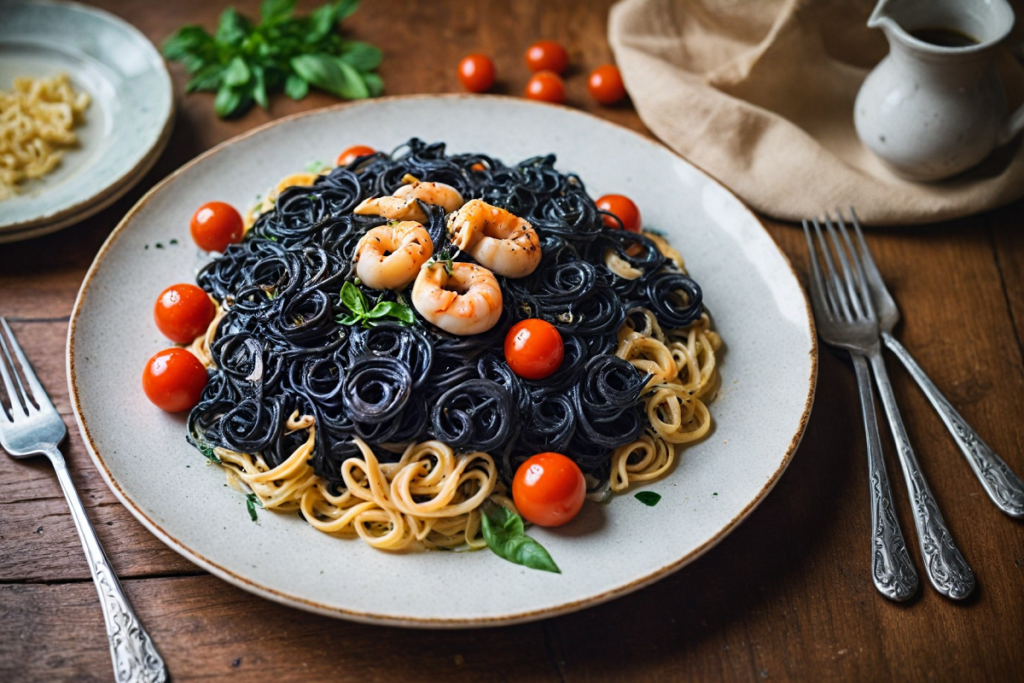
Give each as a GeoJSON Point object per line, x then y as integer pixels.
{"type": "Point", "coordinates": [353, 153]}
{"type": "Point", "coordinates": [546, 86]}
{"type": "Point", "coordinates": [534, 349]}
{"type": "Point", "coordinates": [476, 72]}
{"type": "Point", "coordinates": [623, 208]}
{"type": "Point", "coordinates": [215, 225]}
{"type": "Point", "coordinates": [174, 380]}
{"type": "Point", "coordinates": [549, 489]}
{"type": "Point", "coordinates": [547, 55]}
{"type": "Point", "coordinates": [605, 84]}
{"type": "Point", "coordinates": [183, 312]}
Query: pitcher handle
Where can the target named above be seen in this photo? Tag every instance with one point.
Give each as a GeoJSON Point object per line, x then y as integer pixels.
{"type": "Point", "coordinates": [1013, 125]}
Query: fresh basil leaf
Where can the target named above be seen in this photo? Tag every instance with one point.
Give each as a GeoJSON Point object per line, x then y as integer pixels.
{"type": "Point", "coordinates": [374, 84]}
{"type": "Point", "coordinates": [350, 319]}
{"type": "Point", "coordinates": [355, 87]}
{"type": "Point", "coordinates": [187, 39]}
{"type": "Point", "coordinates": [353, 298]}
{"type": "Point", "coordinates": [233, 27]}
{"type": "Point", "coordinates": [385, 309]}
{"type": "Point", "coordinates": [321, 23]}
{"type": "Point", "coordinates": [227, 101]}
{"type": "Point", "coordinates": [345, 8]}
{"type": "Point", "coordinates": [362, 56]}
{"type": "Point", "coordinates": [296, 87]}
{"type": "Point", "coordinates": [272, 11]}
{"type": "Point", "coordinates": [207, 78]}
{"type": "Point", "coordinates": [208, 453]}
{"type": "Point", "coordinates": [237, 73]}
{"type": "Point", "coordinates": [503, 531]}
{"type": "Point", "coordinates": [404, 313]}
{"type": "Point", "coordinates": [648, 498]}
{"type": "Point", "coordinates": [322, 71]}
{"type": "Point", "coordinates": [259, 87]}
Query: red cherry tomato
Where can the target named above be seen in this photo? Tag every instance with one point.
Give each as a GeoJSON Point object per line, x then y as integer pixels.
{"type": "Point", "coordinates": [534, 349]}
{"type": "Point", "coordinates": [549, 489]}
{"type": "Point", "coordinates": [183, 312]}
{"type": "Point", "coordinates": [173, 380]}
{"type": "Point", "coordinates": [476, 73]}
{"type": "Point", "coordinates": [605, 84]}
{"type": "Point", "coordinates": [547, 55]}
{"type": "Point", "coordinates": [623, 208]}
{"type": "Point", "coordinates": [216, 225]}
{"type": "Point", "coordinates": [546, 86]}
{"type": "Point", "coordinates": [353, 153]}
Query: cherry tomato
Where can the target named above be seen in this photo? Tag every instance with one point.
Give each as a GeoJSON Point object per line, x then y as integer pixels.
{"type": "Point", "coordinates": [183, 312]}
{"type": "Point", "coordinates": [216, 225]}
{"type": "Point", "coordinates": [476, 73]}
{"type": "Point", "coordinates": [353, 153]}
{"type": "Point", "coordinates": [622, 207]}
{"type": "Point", "coordinates": [547, 55]}
{"type": "Point", "coordinates": [605, 84]}
{"type": "Point", "coordinates": [534, 349]}
{"type": "Point", "coordinates": [173, 380]}
{"type": "Point", "coordinates": [546, 86]}
{"type": "Point", "coordinates": [549, 489]}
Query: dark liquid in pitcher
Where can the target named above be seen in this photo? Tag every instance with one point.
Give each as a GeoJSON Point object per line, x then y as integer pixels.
{"type": "Point", "coordinates": [944, 37]}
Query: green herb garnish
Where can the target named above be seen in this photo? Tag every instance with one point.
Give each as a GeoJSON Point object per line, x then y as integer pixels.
{"type": "Point", "coordinates": [244, 61]}
{"type": "Point", "coordinates": [648, 498]}
{"type": "Point", "coordinates": [314, 167]}
{"type": "Point", "coordinates": [506, 536]}
{"type": "Point", "coordinates": [208, 453]}
{"type": "Point", "coordinates": [251, 503]}
{"type": "Point", "coordinates": [360, 312]}
{"type": "Point", "coordinates": [445, 258]}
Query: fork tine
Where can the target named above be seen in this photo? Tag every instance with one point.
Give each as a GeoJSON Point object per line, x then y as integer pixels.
{"type": "Point", "coordinates": [858, 258]}
{"type": "Point", "coordinates": [817, 283]}
{"type": "Point", "coordinates": [849, 276]}
{"type": "Point", "coordinates": [12, 391]}
{"type": "Point", "coordinates": [870, 267]}
{"type": "Point", "coordinates": [39, 396]}
{"type": "Point", "coordinates": [835, 288]}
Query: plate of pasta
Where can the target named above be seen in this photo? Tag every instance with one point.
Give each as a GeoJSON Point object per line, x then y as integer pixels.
{"type": "Point", "coordinates": [532, 350]}
{"type": "Point", "coordinates": [86, 107]}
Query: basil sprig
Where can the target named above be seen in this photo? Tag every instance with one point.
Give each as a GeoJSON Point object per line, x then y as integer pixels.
{"type": "Point", "coordinates": [505, 534]}
{"type": "Point", "coordinates": [243, 62]}
{"type": "Point", "coordinates": [360, 312]}
{"type": "Point", "coordinates": [251, 503]}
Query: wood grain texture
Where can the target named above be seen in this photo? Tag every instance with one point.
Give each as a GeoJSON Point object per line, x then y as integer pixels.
{"type": "Point", "coordinates": [787, 596]}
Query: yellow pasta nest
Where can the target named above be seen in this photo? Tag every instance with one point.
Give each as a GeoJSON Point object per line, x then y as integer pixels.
{"type": "Point", "coordinates": [36, 118]}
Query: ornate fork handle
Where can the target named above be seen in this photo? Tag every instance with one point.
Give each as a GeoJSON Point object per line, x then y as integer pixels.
{"type": "Point", "coordinates": [135, 657]}
{"type": "Point", "coordinates": [945, 565]}
{"type": "Point", "coordinates": [1001, 484]}
{"type": "Point", "coordinates": [891, 566]}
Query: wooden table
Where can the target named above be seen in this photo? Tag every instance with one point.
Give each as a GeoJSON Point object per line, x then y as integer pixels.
{"type": "Point", "coordinates": [787, 596]}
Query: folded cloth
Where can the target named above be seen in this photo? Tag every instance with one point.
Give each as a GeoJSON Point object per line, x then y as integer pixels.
{"type": "Point", "coordinates": [760, 95]}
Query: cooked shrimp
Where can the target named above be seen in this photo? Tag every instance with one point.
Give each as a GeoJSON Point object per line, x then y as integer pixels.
{"type": "Point", "coordinates": [466, 302]}
{"type": "Point", "coordinates": [495, 238]}
{"type": "Point", "coordinates": [389, 256]}
{"type": "Point", "coordinates": [403, 206]}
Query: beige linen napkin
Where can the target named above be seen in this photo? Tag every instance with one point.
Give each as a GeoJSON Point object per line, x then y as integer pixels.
{"type": "Point", "coordinates": [760, 93]}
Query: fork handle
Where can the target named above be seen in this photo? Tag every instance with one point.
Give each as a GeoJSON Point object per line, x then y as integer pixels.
{"type": "Point", "coordinates": [134, 656]}
{"type": "Point", "coordinates": [891, 567]}
{"type": "Point", "coordinates": [945, 565]}
{"type": "Point", "coordinates": [1001, 484]}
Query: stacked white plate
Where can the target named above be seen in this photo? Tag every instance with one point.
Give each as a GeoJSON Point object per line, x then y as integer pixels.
{"type": "Point", "coordinates": [126, 126]}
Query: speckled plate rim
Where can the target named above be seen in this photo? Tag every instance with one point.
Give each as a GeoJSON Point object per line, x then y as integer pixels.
{"type": "Point", "coordinates": [386, 619]}
{"type": "Point", "coordinates": [117, 187]}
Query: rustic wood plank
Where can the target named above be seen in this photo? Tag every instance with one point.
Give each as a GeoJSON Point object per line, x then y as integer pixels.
{"type": "Point", "coordinates": [37, 533]}
{"type": "Point", "coordinates": [206, 629]}
{"type": "Point", "coordinates": [1008, 241]}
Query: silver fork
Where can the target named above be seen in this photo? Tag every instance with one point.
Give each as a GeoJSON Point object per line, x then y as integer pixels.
{"type": "Point", "coordinates": [947, 570]}
{"type": "Point", "coordinates": [1001, 484]}
{"type": "Point", "coordinates": [891, 568]}
{"type": "Point", "coordinates": [32, 426]}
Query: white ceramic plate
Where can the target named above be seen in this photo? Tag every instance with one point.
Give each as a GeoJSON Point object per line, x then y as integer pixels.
{"type": "Point", "coordinates": [126, 125]}
{"type": "Point", "coordinates": [768, 371]}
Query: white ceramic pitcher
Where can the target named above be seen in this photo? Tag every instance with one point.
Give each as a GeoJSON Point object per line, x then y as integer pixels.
{"type": "Point", "coordinates": [935, 105]}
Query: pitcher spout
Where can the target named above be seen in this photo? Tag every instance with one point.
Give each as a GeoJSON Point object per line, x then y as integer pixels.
{"type": "Point", "coordinates": [980, 23]}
